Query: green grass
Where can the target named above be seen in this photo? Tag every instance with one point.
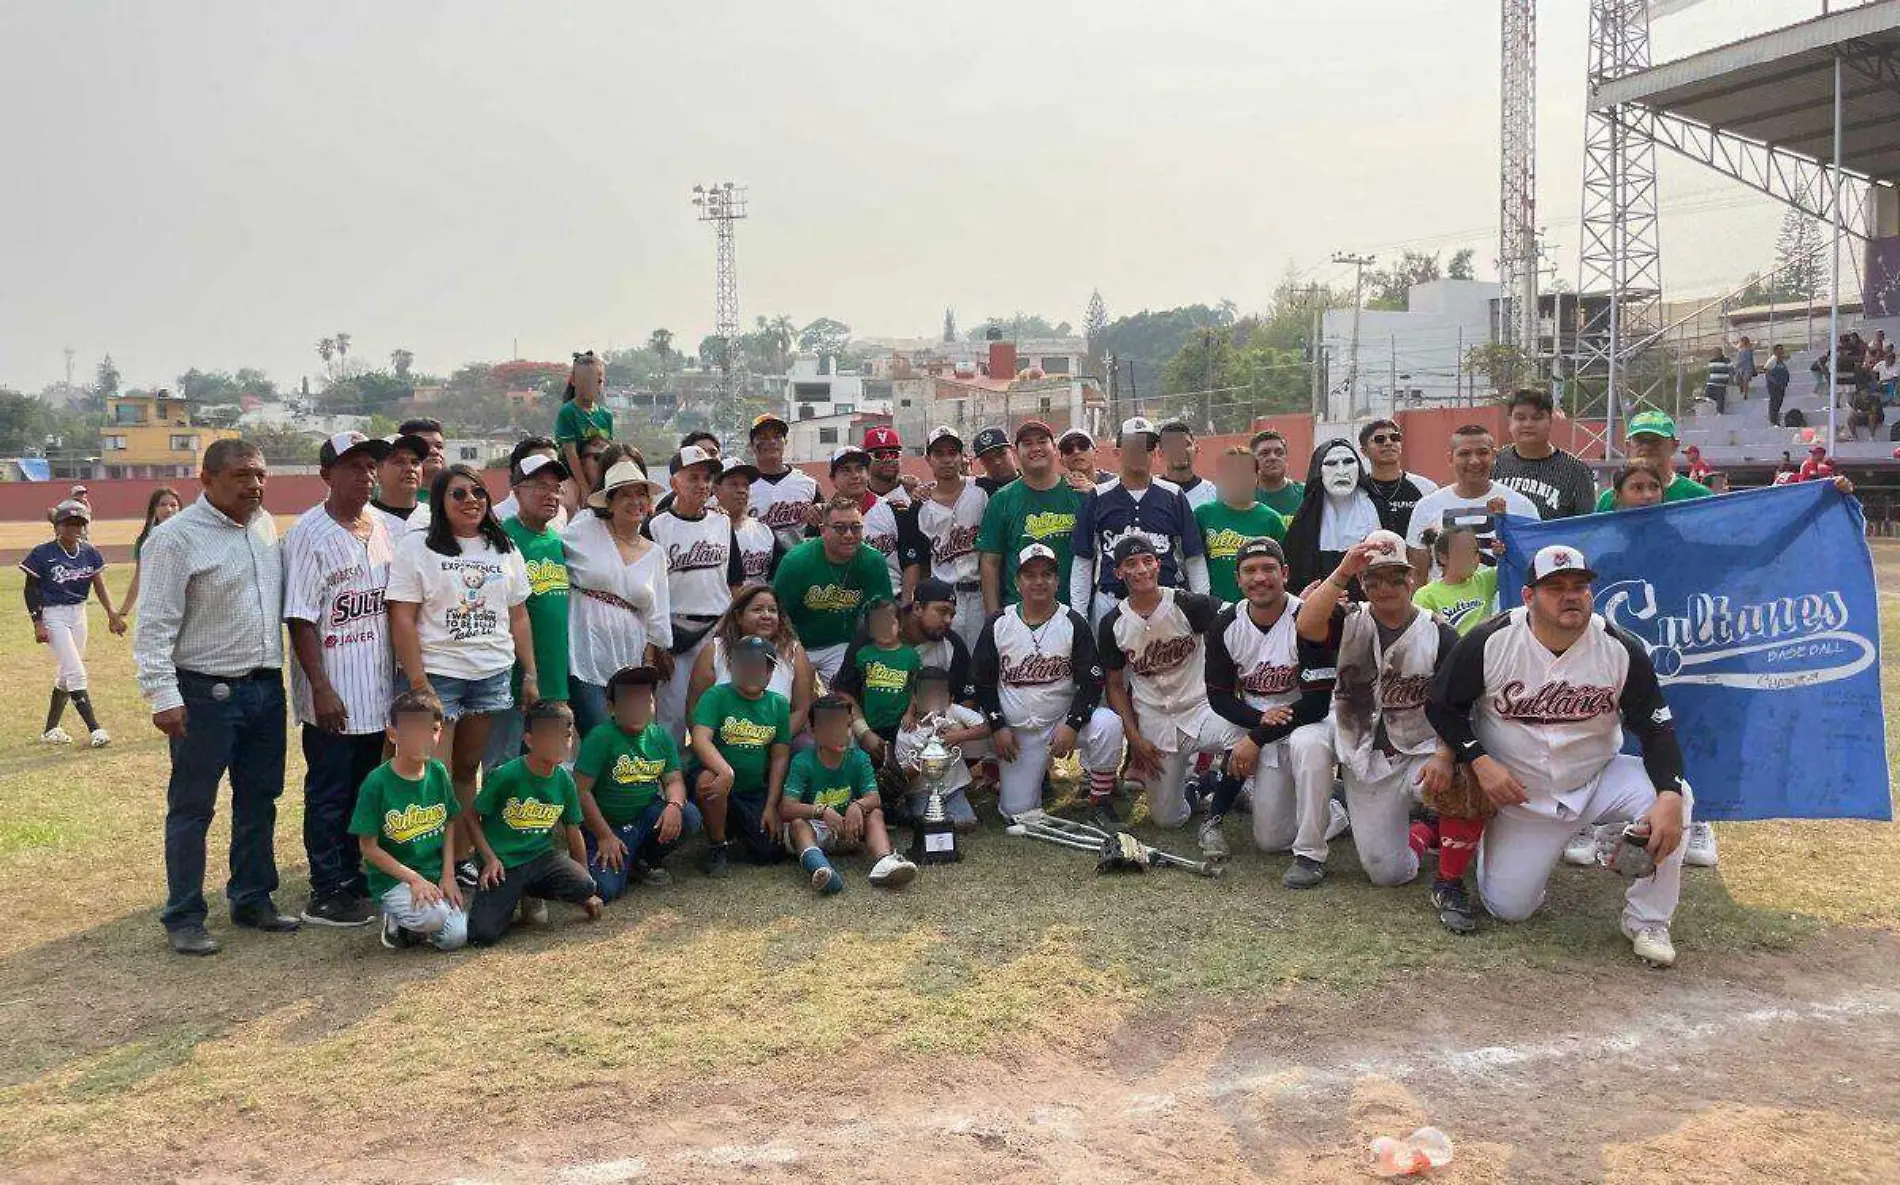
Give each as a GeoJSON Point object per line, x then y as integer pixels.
{"type": "Point", "coordinates": [107, 1041]}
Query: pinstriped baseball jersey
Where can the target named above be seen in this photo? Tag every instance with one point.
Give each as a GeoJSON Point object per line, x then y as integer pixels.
{"type": "Point", "coordinates": [757, 545]}
{"type": "Point", "coordinates": [951, 532]}
{"type": "Point", "coordinates": [336, 581]}
{"type": "Point", "coordinates": [782, 502]}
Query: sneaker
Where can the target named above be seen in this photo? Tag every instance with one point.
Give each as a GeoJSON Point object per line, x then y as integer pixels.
{"type": "Point", "coordinates": [100, 740]}
{"type": "Point", "coordinates": [394, 936]}
{"type": "Point", "coordinates": [1213, 843]}
{"type": "Point", "coordinates": [337, 909]}
{"type": "Point", "coordinates": [1454, 907]}
{"type": "Point", "coordinates": [1340, 822]}
{"type": "Point", "coordinates": [467, 876]}
{"type": "Point", "coordinates": [649, 874]}
{"type": "Point", "coordinates": [892, 872]}
{"type": "Point", "coordinates": [1699, 850]}
{"type": "Point", "coordinates": [718, 862]}
{"type": "Point", "coordinates": [1651, 944]}
{"type": "Point", "coordinates": [56, 736]}
{"type": "Point", "coordinates": [1582, 848]}
{"type": "Point", "coordinates": [827, 880]}
{"type": "Point", "coordinates": [1102, 816]}
{"type": "Point", "coordinates": [533, 911]}
{"type": "Point", "coordinates": [1304, 873]}
{"type": "Point", "coordinates": [191, 940]}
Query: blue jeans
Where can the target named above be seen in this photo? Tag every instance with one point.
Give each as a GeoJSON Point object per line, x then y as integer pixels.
{"type": "Point", "coordinates": [589, 702]}
{"type": "Point", "coordinates": [641, 845]}
{"type": "Point", "coordinates": [244, 733]}
{"type": "Point", "coordinates": [471, 697]}
{"type": "Point", "coordinates": [337, 766]}
{"type": "Point", "coordinates": [505, 730]}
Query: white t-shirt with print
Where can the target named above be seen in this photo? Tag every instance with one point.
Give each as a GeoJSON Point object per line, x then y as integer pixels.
{"type": "Point", "coordinates": [465, 600]}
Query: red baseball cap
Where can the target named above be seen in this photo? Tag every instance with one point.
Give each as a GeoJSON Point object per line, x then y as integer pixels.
{"type": "Point", "coordinates": [881, 437]}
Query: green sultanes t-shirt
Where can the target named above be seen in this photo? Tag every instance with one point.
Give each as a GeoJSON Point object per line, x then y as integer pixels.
{"type": "Point", "coordinates": [574, 424]}
{"type": "Point", "coordinates": [627, 768]}
{"type": "Point", "coordinates": [1464, 604]}
{"type": "Point", "coordinates": [809, 780]}
{"type": "Point", "coordinates": [546, 560]}
{"type": "Point", "coordinates": [744, 730]}
{"type": "Point", "coordinates": [824, 599]}
{"type": "Point", "coordinates": [885, 677]}
{"type": "Point", "coordinates": [1224, 529]}
{"type": "Point", "coordinates": [1680, 489]}
{"type": "Point", "coordinates": [520, 811]}
{"type": "Point", "coordinates": [409, 819]}
{"type": "Point", "coordinates": [1017, 516]}
{"type": "Point", "coordinates": [1286, 499]}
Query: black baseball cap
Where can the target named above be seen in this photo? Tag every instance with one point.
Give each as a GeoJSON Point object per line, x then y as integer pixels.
{"type": "Point", "coordinates": [987, 439]}
{"type": "Point", "coordinates": [632, 677]}
{"type": "Point", "coordinates": [1263, 546]}
{"type": "Point", "coordinates": [410, 443]}
{"type": "Point", "coordinates": [1132, 545]}
{"type": "Point", "coordinates": [931, 590]}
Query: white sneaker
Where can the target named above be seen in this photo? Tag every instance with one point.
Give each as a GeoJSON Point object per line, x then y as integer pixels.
{"type": "Point", "coordinates": [1340, 823]}
{"type": "Point", "coordinates": [892, 872]}
{"type": "Point", "coordinates": [1699, 850]}
{"type": "Point", "coordinates": [1651, 943]}
{"type": "Point", "coordinates": [100, 740]}
{"type": "Point", "coordinates": [56, 736]}
{"type": "Point", "coordinates": [1582, 848]}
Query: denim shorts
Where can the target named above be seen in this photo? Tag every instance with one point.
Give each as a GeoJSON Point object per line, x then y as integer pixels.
{"type": "Point", "coordinates": [472, 697]}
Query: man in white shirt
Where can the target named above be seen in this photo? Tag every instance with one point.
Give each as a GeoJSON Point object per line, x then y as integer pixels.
{"type": "Point", "coordinates": [1177, 452]}
{"type": "Point", "coordinates": [1471, 500]}
{"type": "Point", "coordinates": [949, 518]}
{"type": "Point", "coordinates": [702, 569]}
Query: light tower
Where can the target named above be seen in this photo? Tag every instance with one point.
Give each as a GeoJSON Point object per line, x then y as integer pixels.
{"type": "Point", "coordinates": [1517, 180]}
{"type": "Point", "coordinates": [722, 203]}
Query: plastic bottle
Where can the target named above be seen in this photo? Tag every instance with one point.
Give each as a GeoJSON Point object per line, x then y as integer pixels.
{"type": "Point", "coordinates": [1397, 1158]}
{"type": "Point", "coordinates": [1434, 1144]}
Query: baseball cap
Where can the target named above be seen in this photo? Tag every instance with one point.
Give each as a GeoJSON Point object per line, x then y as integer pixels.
{"type": "Point", "coordinates": [932, 591]}
{"type": "Point", "coordinates": [1390, 553]}
{"type": "Point", "coordinates": [77, 490]}
{"type": "Point", "coordinates": [739, 465]}
{"type": "Point", "coordinates": [848, 452]}
{"type": "Point", "coordinates": [989, 438]}
{"type": "Point", "coordinates": [632, 677]}
{"type": "Point", "coordinates": [753, 646]}
{"type": "Point", "coordinates": [1075, 434]}
{"type": "Point", "coordinates": [690, 456]}
{"type": "Point", "coordinates": [71, 508]}
{"type": "Point", "coordinates": [1549, 561]}
{"type": "Point", "coordinates": [881, 436]}
{"type": "Point", "coordinates": [535, 463]}
{"type": "Point", "coordinates": [344, 443]}
{"type": "Point", "coordinates": [1819, 448]}
{"type": "Point", "coordinates": [1028, 426]}
{"type": "Point", "coordinates": [942, 432]}
{"type": "Point", "coordinates": [1035, 551]}
{"type": "Point", "coordinates": [767, 420]}
{"type": "Point", "coordinates": [1255, 548]}
{"type": "Point", "coordinates": [1132, 545]}
{"type": "Point", "coordinates": [1138, 425]}
{"type": "Point", "coordinates": [410, 443]}
{"type": "Point", "coordinates": [1651, 423]}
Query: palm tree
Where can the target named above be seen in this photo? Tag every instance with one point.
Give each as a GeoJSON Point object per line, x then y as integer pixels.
{"type": "Point", "coordinates": [343, 345]}
{"type": "Point", "coordinates": [400, 360]}
{"type": "Point", "coordinates": [326, 349]}
{"type": "Point", "coordinates": [660, 341]}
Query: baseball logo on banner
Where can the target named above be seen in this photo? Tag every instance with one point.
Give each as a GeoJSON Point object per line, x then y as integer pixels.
{"type": "Point", "coordinates": [1760, 613]}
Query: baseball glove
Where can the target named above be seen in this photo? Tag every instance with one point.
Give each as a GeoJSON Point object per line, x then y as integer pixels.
{"type": "Point", "coordinates": [1122, 852]}
{"type": "Point", "coordinates": [1463, 799]}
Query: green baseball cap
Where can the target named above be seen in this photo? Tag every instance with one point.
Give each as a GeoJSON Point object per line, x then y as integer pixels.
{"type": "Point", "coordinates": [1651, 423]}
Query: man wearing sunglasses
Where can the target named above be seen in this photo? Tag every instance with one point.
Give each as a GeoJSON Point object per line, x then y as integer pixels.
{"type": "Point", "coordinates": [823, 583]}
{"type": "Point", "coordinates": [1078, 461]}
{"type": "Point", "coordinates": [1394, 491]}
{"type": "Point", "coordinates": [890, 513]}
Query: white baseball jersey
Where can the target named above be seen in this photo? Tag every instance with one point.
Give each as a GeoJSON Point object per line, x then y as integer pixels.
{"type": "Point", "coordinates": [951, 531]}
{"type": "Point", "coordinates": [702, 560]}
{"type": "Point", "coordinates": [890, 527]}
{"type": "Point", "coordinates": [397, 525]}
{"type": "Point", "coordinates": [1265, 662]}
{"type": "Point", "coordinates": [337, 582]}
{"type": "Point", "coordinates": [1393, 674]}
{"type": "Point", "coordinates": [782, 503]}
{"type": "Point", "coordinates": [1199, 493]}
{"type": "Point", "coordinates": [757, 545]}
{"type": "Point", "coordinates": [1164, 658]}
{"type": "Point", "coordinates": [1035, 677]}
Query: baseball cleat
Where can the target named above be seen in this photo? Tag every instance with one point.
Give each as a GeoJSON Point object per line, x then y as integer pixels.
{"type": "Point", "coordinates": [1650, 942]}
{"type": "Point", "coordinates": [1213, 843]}
{"type": "Point", "coordinates": [1102, 815]}
{"type": "Point", "coordinates": [100, 740]}
{"type": "Point", "coordinates": [394, 936]}
{"type": "Point", "coordinates": [1454, 907]}
{"type": "Point", "coordinates": [1304, 873]}
{"type": "Point", "coordinates": [56, 736]}
{"type": "Point", "coordinates": [1699, 849]}
{"type": "Point", "coordinates": [892, 872]}
{"type": "Point", "coordinates": [1582, 848]}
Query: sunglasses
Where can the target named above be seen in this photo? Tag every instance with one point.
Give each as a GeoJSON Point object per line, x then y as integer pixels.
{"type": "Point", "coordinates": [1384, 438]}
{"type": "Point", "coordinates": [464, 493]}
{"type": "Point", "coordinates": [846, 528]}
{"type": "Point", "coordinates": [1073, 447]}
{"type": "Point", "coordinates": [886, 454]}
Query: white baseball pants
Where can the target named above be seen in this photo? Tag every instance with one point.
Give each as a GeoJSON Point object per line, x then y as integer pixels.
{"type": "Point", "coordinates": [1291, 796]}
{"type": "Point", "coordinates": [969, 619]}
{"type": "Point", "coordinates": [1099, 745]}
{"type": "Point", "coordinates": [827, 661]}
{"type": "Point", "coordinates": [669, 705]}
{"type": "Point", "coordinates": [1381, 811]}
{"type": "Point", "coordinates": [1522, 844]}
{"type": "Point", "coordinates": [66, 636]}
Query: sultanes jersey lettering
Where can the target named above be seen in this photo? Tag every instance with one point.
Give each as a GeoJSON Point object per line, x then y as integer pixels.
{"type": "Point", "coordinates": [1037, 676]}
{"type": "Point", "coordinates": [757, 546]}
{"type": "Point", "coordinates": [952, 531]}
{"type": "Point", "coordinates": [338, 582]}
{"type": "Point", "coordinates": [702, 560]}
{"type": "Point", "coordinates": [1266, 662]}
{"type": "Point", "coordinates": [1164, 659]}
{"type": "Point", "coordinates": [782, 504]}
{"type": "Point", "coordinates": [414, 822]}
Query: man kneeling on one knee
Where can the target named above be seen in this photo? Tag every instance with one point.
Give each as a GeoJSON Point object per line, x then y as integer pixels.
{"type": "Point", "coordinates": [1536, 700]}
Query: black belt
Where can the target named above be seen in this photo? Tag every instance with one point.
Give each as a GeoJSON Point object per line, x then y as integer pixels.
{"type": "Point", "coordinates": [271, 673]}
{"type": "Point", "coordinates": [969, 586]}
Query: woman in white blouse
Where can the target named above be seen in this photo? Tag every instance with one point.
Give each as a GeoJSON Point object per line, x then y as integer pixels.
{"type": "Point", "coordinates": [618, 607]}
{"type": "Point", "coordinates": [754, 613]}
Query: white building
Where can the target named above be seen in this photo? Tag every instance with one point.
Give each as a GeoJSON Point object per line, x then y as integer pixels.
{"type": "Point", "coordinates": [1407, 359]}
{"type": "Point", "coordinates": [814, 388]}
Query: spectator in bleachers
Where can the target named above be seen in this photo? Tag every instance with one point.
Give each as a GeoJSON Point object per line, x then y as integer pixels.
{"type": "Point", "coordinates": [1817, 466]}
{"type": "Point", "coordinates": [1699, 469]}
{"type": "Point", "coordinates": [1777, 378]}
{"type": "Point", "coordinates": [1866, 414]}
{"type": "Point", "coordinates": [1715, 388]}
{"type": "Point", "coordinates": [1785, 472]}
{"type": "Point", "coordinates": [1744, 366]}
{"type": "Point", "coordinates": [1887, 376]}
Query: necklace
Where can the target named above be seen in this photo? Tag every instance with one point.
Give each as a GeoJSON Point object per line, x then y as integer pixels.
{"type": "Point", "coordinates": [1386, 491]}
{"type": "Point", "coordinates": [1035, 631]}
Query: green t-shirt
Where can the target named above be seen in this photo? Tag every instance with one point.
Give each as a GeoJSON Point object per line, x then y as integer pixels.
{"type": "Point", "coordinates": [824, 599]}
{"type": "Point", "coordinates": [1286, 499]}
{"type": "Point", "coordinates": [574, 424]}
{"type": "Point", "coordinates": [1464, 604]}
{"type": "Point", "coordinates": [1018, 516]}
{"type": "Point", "coordinates": [520, 811]}
{"type": "Point", "coordinates": [627, 768]}
{"type": "Point", "coordinates": [1681, 489]}
{"type": "Point", "coordinates": [744, 730]}
{"type": "Point", "coordinates": [546, 559]}
{"type": "Point", "coordinates": [409, 819]}
{"type": "Point", "coordinates": [883, 681]}
{"type": "Point", "coordinates": [809, 780]}
{"type": "Point", "coordinates": [1224, 529]}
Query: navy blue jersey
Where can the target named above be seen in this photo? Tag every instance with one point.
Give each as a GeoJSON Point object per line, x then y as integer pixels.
{"type": "Point", "coordinates": [65, 578]}
{"type": "Point", "coordinates": [1111, 512]}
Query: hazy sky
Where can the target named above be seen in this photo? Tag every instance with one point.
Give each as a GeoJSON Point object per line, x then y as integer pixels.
{"type": "Point", "coordinates": [221, 184]}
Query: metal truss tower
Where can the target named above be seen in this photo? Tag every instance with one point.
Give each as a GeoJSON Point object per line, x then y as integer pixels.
{"type": "Point", "coordinates": [1517, 180]}
{"type": "Point", "coordinates": [1620, 266]}
{"type": "Point", "coordinates": [723, 204]}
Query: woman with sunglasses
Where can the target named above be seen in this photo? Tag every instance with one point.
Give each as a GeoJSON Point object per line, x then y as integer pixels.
{"type": "Point", "coordinates": [618, 607]}
{"type": "Point", "coordinates": [458, 618]}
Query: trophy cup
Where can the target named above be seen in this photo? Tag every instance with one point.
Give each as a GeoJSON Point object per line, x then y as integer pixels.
{"type": "Point", "coordinates": [935, 837]}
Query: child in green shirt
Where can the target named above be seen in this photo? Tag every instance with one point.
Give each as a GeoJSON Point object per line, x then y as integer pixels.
{"type": "Point", "coordinates": [877, 675]}
{"type": "Point", "coordinates": [1466, 591]}
{"type": "Point", "coordinates": [742, 738]}
{"type": "Point", "coordinates": [404, 823]}
{"type": "Point", "coordinates": [830, 804]}
{"type": "Point", "coordinates": [520, 809]}
{"type": "Point", "coordinates": [1232, 519]}
{"type": "Point", "coordinates": [633, 795]}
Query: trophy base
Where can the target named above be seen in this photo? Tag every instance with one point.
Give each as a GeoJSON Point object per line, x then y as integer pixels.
{"type": "Point", "coordinates": [935, 842]}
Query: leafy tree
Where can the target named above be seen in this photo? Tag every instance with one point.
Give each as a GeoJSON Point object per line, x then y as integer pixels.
{"type": "Point", "coordinates": [1391, 287]}
{"type": "Point", "coordinates": [1501, 363]}
{"type": "Point", "coordinates": [1144, 343]}
{"type": "Point", "coordinates": [1020, 326]}
{"type": "Point", "coordinates": [326, 349]}
{"type": "Point", "coordinates": [105, 380]}
{"type": "Point", "coordinates": [364, 393]}
{"type": "Point", "coordinates": [401, 361]}
{"type": "Point", "coordinates": [825, 336]}
{"type": "Point", "coordinates": [1461, 265]}
{"type": "Point", "coordinates": [251, 381]}
{"type": "Point", "coordinates": [1800, 274]}
{"type": "Point", "coordinates": [1094, 325]}
{"type": "Point", "coordinates": [284, 445]}
{"type": "Point", "coordinates": [16, 422]}
{"type": "Point", "coordinates": [520, 375]}
{"type": "Point", "coordinates": [949, 325]}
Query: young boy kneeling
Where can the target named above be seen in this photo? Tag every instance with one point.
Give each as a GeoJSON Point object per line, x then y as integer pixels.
{"type": "Point", "coordinates": [632, 794]}
{"type": "Point", "coordinates": [932, 714]}
{"type": "Point", "coordinates": [404, 823]}
{"type": "Point", "coordinates": [830, 804]}
{"type": "Point", "coordinates": [521, 807]}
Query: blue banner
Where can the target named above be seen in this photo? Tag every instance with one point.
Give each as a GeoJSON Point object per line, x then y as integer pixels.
{"type": "Point", "coordinates": [1760, 613]}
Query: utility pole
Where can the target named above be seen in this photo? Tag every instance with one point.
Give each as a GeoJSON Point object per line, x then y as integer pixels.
{"type": "Point", "coordinates": [722, 203]}
{"type": "Point", "coordinates": [1316, 347]}
{"type": "Point", "coordinates": [69, 368]}
{"type": "Point", "coordinates": [1359, 264]}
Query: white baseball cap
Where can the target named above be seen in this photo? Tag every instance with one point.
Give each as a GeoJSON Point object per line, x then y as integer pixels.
{"type": "Point", "coordinates": [1557, 558]}
{"type": "Point", "coordinates": [1075, 434]}
{"type": "Point", "coordinates": [942, 432]}
{"type": "Point", "coordinates": [1138, 425]}
{"type": "Point", "coordinates": [1037, 551]}
{"type": "Point", "coordinates": [1390, 551]}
